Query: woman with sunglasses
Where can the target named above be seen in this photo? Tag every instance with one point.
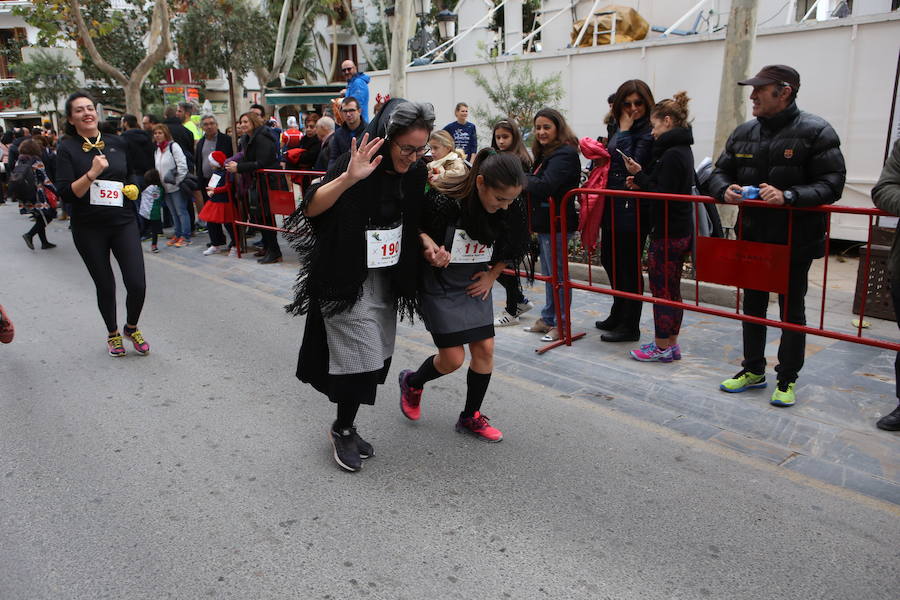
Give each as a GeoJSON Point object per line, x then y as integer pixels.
{"type": "Point", "coordinates": [357, 236]}
{"type": "Point", "coordinates": [622, 241]}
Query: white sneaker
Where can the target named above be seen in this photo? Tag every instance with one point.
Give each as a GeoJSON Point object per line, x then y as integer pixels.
{"type": "Point", "coordinates": [210, 250]}
{"type": "Point", "coordinates": [505, 319]}
{"type": "Point", "coordinates": [523, 307]}
{"type": "Point", "coordinates": [233, 252]}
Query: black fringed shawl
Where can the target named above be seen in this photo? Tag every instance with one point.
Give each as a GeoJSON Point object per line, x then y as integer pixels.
{"type": "Point", "coordinates": [505, 230]}
{"type": "Point", "coordinates": [332, 248]}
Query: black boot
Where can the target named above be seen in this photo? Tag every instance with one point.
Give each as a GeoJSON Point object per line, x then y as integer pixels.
{"type": "Point", "coordinates": [891, 421]}
{"type": "Point", "coordinates": [47, 245]}
{"type": "Point", "coordinates": [28, 241]}
{"type": "Point", "coordinates": [270, 257]}
{"type": "Point", "coordinates": [615, 316]}
{"type": "Point", "coordinates": [629, 329]}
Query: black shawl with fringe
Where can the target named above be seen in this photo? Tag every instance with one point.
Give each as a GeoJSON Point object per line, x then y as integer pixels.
{"type": "Point", "coordinates": [332, 248]}
{"type": "Point", "coordinates": [505, 230]}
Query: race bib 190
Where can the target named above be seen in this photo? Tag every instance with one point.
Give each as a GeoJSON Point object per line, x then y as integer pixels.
{"type": "Point", "coordinates": [106, 193]}
{"type": "Point", "coordinates": [467, 250]}
{"type": "Point", "coordinates": [383, 247]}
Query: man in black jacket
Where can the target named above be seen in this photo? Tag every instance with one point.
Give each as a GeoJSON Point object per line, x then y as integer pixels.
{"type": "Point", "coordinates": [181, 134]}
{"type": "Point", "coordinates": [794, 158]}
{"type": "Point", "coordinates": [212, 140]}
{"type": "Point", "coordinates": [353, 127]}
{"type": "Point", "coordinates": [140, 149]}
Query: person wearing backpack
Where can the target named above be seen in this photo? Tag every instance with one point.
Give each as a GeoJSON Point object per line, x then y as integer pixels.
{"type": "Point", "coordinates": [31, 187]}
{"type": "Point", "coordinates": [173, 168]}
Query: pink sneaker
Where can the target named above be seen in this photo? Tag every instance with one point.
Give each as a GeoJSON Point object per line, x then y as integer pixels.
{"type": "Point", "coordinates": [140, 344]}
{"type": "Point", "coordinates": [115, 346]}
{"type": "Point", "coordinates": [478, 426]}
{"type": "Point", "coordinates": [675, 348]}
{"type": "Point", "coordinates": [7, 331]}
{"type": "Point", "coordinates": [410, 398]}
{"type": "Point", "coordinates": [653, 353]}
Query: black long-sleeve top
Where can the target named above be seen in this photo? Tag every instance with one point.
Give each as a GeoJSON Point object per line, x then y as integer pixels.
{"type": "Point", "coordinates": [261, 152]}
{"type": "Point", "coordinates": [72, 163]}
{"type": "Point", "coordinates": [671, 172]}
{"type": "Point", "coordinates": [554, 175]}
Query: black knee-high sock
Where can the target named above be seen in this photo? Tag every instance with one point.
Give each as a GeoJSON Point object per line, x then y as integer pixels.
{"type": "Point", "coordinates": [346, 413]}
{"type": "Point", "coordinates": [477, 385]}
{"type": "Point", "coordinates": [427, 371]}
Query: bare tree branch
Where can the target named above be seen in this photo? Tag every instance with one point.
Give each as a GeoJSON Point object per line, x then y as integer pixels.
{"type": "Point", "coordinates": [91, 48]}
{"type": "Point", "coordinates": [359, 41]}
{"type": "Point", "coordinates": [159, 42]}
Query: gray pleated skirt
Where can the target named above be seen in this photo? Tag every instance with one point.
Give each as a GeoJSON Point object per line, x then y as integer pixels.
{"type": "Point", "coordinates": [361, 339]}
{"type": "Point", "coordinates": [452, 316]}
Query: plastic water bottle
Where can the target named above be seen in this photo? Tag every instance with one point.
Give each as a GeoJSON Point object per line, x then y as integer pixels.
{"type": "Point", "coordinates": [749, 192]}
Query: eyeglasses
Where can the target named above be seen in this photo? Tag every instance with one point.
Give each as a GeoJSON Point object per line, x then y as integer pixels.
{"type": "Point", "coordinates": [347, 70]}
{"type": "Point", "coordinates": [408, 151]}
{"type": "Point", "coordinates": [635, 103]}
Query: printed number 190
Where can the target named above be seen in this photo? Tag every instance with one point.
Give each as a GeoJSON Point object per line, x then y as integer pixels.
{"type": "Point", "coordinates": [389, 249]}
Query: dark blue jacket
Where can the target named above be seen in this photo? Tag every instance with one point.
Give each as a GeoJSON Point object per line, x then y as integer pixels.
{"type": "Point", "coordinates": [638, 144]}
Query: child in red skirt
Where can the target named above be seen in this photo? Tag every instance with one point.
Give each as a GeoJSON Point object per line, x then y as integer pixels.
{"type": "Point", "coordinates": [218, 210]}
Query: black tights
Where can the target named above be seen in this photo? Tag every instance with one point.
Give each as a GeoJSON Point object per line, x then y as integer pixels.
{"type": "Point", "coordinates": [217, 236]}
{"type": "Point", "coordinates": [40, 226]}
{"type": "Point", "coordinates": [94, 244]}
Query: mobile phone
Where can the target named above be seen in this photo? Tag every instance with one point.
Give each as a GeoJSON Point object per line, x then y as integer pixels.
{"type": "Point", "coordinates": [625, 156]}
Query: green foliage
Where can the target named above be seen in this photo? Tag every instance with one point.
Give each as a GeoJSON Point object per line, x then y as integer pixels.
{"type": "Point", "coordinates": [216, 34]}
{"type": "Point", "coordinates": [13, 91]}
{"type": "Point", "coordinates": [118, 35]}
{"type": "Point", "coordinates": [514, 92]}
{"type": "Point", "coordinates": [373, 34]}
{"type": "Point", "coordinates": [47, 77]}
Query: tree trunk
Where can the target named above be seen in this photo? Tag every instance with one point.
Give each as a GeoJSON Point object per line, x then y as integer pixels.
{"type": "Point", "coordinates": [133, 96]}
{"type": "Point", "coordinates": [334, 50]}
{"type": "Point", "coordinates": [732, 98]}
{"type": "Point", "coordinates": [403, 17]}
{"type": "Point", "coordinates": [382, 19]}
{"type": "Point", "coordinates": [359, 42]}
{"type": "Point", "coordinates": [158, 45]}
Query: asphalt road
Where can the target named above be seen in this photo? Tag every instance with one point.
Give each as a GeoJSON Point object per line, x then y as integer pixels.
{"type": "Point", "coordinates": [203, 471]}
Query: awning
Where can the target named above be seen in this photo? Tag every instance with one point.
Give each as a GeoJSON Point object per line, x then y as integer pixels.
{"type": "Point", "coordinates": [302, 94]}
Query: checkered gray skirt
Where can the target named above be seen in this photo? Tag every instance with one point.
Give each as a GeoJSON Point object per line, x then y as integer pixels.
{"type": "Point", "coordinates": [362, 338]}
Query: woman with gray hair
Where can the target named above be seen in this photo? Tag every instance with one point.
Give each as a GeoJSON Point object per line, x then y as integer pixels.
{"type": "Point", "coordinates": [357, 236]}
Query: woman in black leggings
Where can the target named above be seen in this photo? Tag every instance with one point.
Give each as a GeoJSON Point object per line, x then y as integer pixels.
{"type": "Point", "coordinates": [91, 171]}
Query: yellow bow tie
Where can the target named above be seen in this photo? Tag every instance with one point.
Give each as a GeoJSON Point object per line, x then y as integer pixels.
{"type": "Point", "coordinates": [88, 146]}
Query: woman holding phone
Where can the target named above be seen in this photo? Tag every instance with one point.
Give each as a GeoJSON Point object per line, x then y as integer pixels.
{"type": "Point", "coordinates": [622, 240]}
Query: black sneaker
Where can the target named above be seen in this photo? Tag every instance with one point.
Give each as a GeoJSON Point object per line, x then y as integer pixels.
{"type": "Point", "coordinates": [365, 448]}
{"type": "Point", "coordinates": [346, 452]}
{"type": "Point", "coordinates": [890, 421]}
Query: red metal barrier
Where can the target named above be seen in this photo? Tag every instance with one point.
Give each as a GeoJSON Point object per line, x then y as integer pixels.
{"type": "Point", "coordinates": [280, 201]}
{"type": "Point", "coordinates": [563, 282]}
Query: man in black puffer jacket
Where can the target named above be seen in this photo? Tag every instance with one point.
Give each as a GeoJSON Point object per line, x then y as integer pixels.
{"type": "Point", "coordinates": [794, 158]}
